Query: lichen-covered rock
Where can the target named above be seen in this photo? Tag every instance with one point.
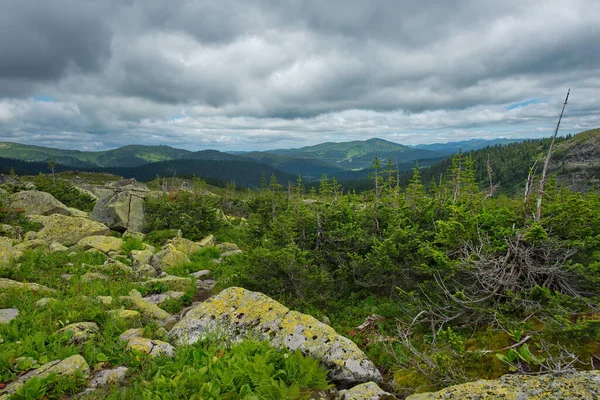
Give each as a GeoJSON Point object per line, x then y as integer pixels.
{"type": "Point", "coordinates": [8, 314]}
{"type": "Point", "coordinates": [107, 300]}
{"type": "Point", "coordinates": [140, 257]}
{"type": "Point", "coordinates": [131, 333]}
{"type": "Point", "coordinates": [208, 241]}
{"type": "Point", "coordinates": [11, 231]}
{"type": "Point", "coordinates": [43, 302]}
{"type": "Point", "coordinates": [226, 246]}
{"type": "Point", "coordinates": [121, 207]}
{"type": "Point", "coordinates": [366, 391]}
{"type": "Point", "coordinates": [185, 246]}
{"type": "Point", "coordinates": [103, 243]}
{"type": "Point", "coordinates": [57, 247]}
{"type": "Point", "coordinates": [81, 331]}
{"type": "Point", "coordinates": [6, 284]}
{"type": "Point", "coordinates": [93, 276]}
{"type": "Point", "coordinates": [108, 377]}
{"type": "Point", "coordinates": [69, 230]}
{"type": "Point", "coordinates": [68, 367]}
{"type": "Point", "coordinates": [175, 283]}
{"type": "Point", "coordinates": [576, 385]}
{"type": "Point", "coordinates": [169, 256]}
{"type": "Point", "coordinates": [113, 267]}
{"type": "Point", "coordinates": [133, 235]}
{"type": "Point", "coordinates": [126, 317]}
{"type": "Point", "coordinates": [160, 298]}
{"type": "Point", "coordinates": [30, 245]}
{"type": "Point", "coordinates": [155, 348]}
{"type": "Point", "coordinates": [239, 313]}
{"type": "Point", "coordinates": [148, 309]}
{"type": "Point", "coordinates": [144, 271]}
{"type": "Point", "coordinates": [7, 252]}
{"type": "Point", "coordinates": [34, 202]}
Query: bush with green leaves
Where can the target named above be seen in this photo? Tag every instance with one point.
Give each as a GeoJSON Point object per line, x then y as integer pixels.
{"type": "Point", "coordinates": [195, 215]}
{"type": "Point", "coordinates": [65, 192]}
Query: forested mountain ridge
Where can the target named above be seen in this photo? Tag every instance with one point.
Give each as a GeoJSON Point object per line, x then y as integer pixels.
{"type": "Point", "coordinates": [465, 145]}
{"type": "Point", "coordinates": [358, 154]}
{"type": "Point", "coordinates": [575, 161]}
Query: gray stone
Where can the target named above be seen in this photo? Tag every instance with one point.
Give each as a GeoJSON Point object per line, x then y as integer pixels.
{"type": "Point", "coordinates": [131, 333]}
{"type": "Point", "coordinates": [155, 348]}
{"type": "Point", "coordinates": [68, 367]}
{"type": "Point", "coordinates": [238, 313]}
{"type": "Point", "coordinates": [108, 377]}
{"type": "Point", "coordinates": [204, 274]}
{"type": "Point", "coordinates": [122, 208]}
{"type": "Point", "coordinates": [366, 391]}
{"type": "Point", "coordinates": [169, 256]}
{"type": "Point", "coordinates": [34, 202]}
{"type": "Point", "coordinates": [160, 298]}
{"type": "Point", "coordinates": [81, 331]}
{"type": "Point", "coordinates": [8, 314]}
{"type": "Point", "coordinates": [575, 385]}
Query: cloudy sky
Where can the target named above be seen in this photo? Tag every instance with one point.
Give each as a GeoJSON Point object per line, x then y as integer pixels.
{"type": "Point", "coordinates": [259, 74]}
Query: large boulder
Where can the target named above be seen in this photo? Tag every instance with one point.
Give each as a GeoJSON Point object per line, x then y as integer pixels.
{"type": "Point", "coordinates": [34, 202]}
{"type": "Point", "coordinates": [68, 367]}
{"type": "Point", "coordinates": [239, 313]}
{"type": "Point", "coordinates": [67, 230]}
{"type": "Point", "coordinates": [121, 207]}
{"type": "Point", "coordinates": [576, 385]}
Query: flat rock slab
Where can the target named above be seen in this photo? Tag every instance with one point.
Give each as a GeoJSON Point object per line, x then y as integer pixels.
{"type": "Point", "coordinates": [239, 313]}
{"type": "Point", "coordinates": [81, 331]}
{"type": "Point", "coordinates": [68, 230]}
{"type": "Point", "coordinates": [108, 377]}
{"type": "Point", "coordinates": [7, 284]}
{"type": "Point", "coordinates": [576, 385]}
{"type": "Point", "coordinates": [8, 314]}
{"type": "Point", "coordinates": [163, 297]}
{"type": "Point", "coordinates": [69, 366]}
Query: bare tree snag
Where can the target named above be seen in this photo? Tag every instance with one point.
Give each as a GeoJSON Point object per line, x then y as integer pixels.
{"type": "Point", "coordinates": [538, 212]}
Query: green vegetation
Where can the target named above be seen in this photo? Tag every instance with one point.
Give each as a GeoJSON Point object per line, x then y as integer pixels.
{"type": "Point", "coordinates": [65, 192]}
{"type": "Point", "coordinates": [196, 216]}
{"type": "Point", "coordinates": [208, 369]}
{"type": "Point", "coordinates": [440, 281]}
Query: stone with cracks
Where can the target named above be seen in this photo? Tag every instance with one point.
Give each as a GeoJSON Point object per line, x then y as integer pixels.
{"type": "Point", "coordinates": [238, 313]}
{"type": "Point", "coordinates": [34, 202]}
{"type": "Point", "coordinates": [121, 207]}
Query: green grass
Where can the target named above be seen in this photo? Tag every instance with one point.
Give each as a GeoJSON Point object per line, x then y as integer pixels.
{"type": "Point", "coordinates": [210, 369]}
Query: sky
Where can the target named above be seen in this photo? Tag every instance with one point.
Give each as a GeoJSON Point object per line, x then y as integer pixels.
{"type": "Point", "coordinates": [259, 74]}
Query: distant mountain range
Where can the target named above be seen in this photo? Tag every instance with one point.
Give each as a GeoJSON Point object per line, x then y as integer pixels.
{"type": "Point", "coordinates": [347, 161]}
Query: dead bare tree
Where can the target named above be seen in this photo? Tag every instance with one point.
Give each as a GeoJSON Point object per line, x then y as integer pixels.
{"type": "Point", "coordinates": [538, 212]}
{"type": "Point", "coordinates": [493, 187]}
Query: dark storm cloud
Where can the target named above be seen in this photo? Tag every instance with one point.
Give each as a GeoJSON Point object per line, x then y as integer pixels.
{"type": "Point", "coordinates": [241, 72]}
{"type": "Point", "coordinates": [40, 40]}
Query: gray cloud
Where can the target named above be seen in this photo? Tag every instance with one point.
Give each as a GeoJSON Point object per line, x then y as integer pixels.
{"type": "Point", "coordinates": [259, 74]}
